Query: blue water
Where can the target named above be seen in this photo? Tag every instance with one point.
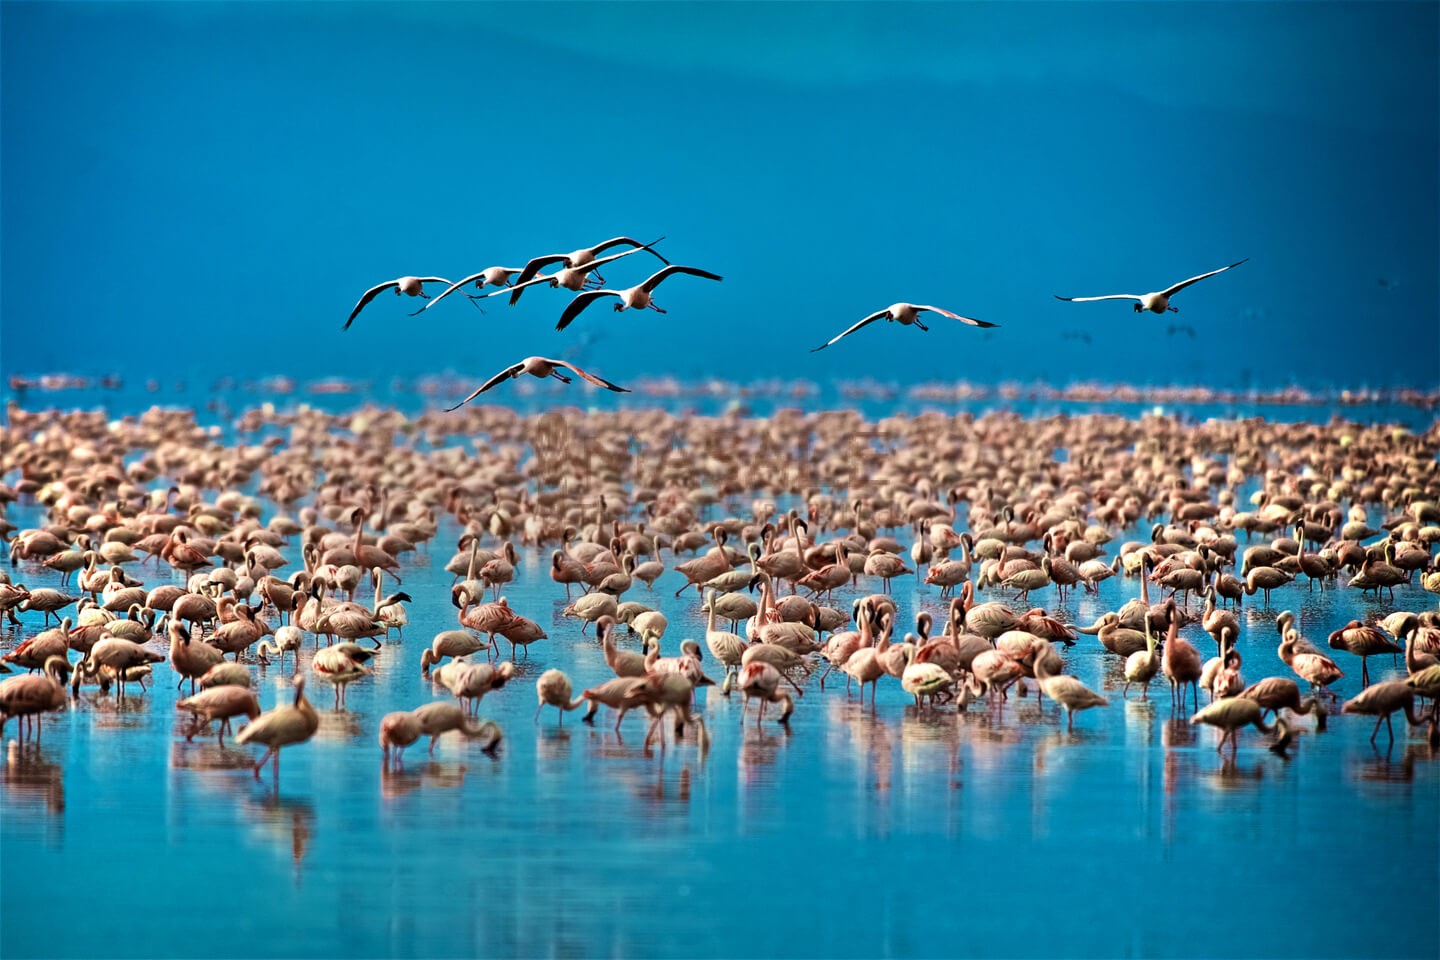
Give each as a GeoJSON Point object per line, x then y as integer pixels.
{"type": "Point", "coordinates": [856, 832]}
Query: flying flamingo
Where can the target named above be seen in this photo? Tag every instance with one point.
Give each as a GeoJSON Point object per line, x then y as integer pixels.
{"type": "Point", "coordinates": [579, 258]}
{"type": "Point", "coordinates": [1154, 302]}
{"type": "Point", "coordinates": [632, 298]}
{"type": "Point", "coordinates": [410, 286]}
{"type": "Point", "coordinates": [541, 367]}
{"type": "Point", "coordinates": [904, 314]}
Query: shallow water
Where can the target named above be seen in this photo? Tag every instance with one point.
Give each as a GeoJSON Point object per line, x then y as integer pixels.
{"type": "Point", "coordinates": [855, 832]}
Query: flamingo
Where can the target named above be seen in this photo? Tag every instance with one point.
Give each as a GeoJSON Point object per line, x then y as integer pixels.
{"type": "Point", "coordinates": [761, 681]}
{"type": "Point", "coordinates": [553, 689]}
{"type": "Point", "coordinates": [1157, 302]}
{"type": "Point", "coordinates": [637, 297]}
{"type": "Point", "coordinates": [585, 255]}
{"type": "Point", "coordinates": [904, 314]}
{"type": "Point", "coordinates": [397, 731]}
{"type": "Point", "coordinates": [1232, 713]}
{"type": "Point", "coordinates": [1382, 700]}
{"type": "Point", "coordinates": [410, 286]}
{"type": "Point", "coordinates": [541, 367]}
{"type": "Point", "coordinates": [33, 695]}
{"type": "Point", "coordinates": [220, 703]}
{"type": "Point", "coordinates": [283, 726]}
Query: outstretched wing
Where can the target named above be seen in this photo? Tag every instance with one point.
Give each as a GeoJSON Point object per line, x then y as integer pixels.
{"type": "Point", "coordinates": [517, 288]}
{"type": "Point", "coordinates": [533, 267]}
{"type": "Point", "coordinates": [955, 316]}
{"type": "Point", "coordinates": [870, 319]}
{"type": "Point", "coordinates": [505, 374]}
{"type": "Point", "coordinates": [589, 377]}
{"type": "Point", "coordinates": [1113, 296]}
{"type": "Point", "coordinates": [447, 291]}
{"type": "Point", "coordinates": [581, 301]}
{"type": "Point", "coordinates": [1185, 283]}
{"type": "Point", "coordinates": [369, 295]}
{"type": "Point", "coordinates": [655, 278]}
{"type": "Point", "coordinates": [618, 241]}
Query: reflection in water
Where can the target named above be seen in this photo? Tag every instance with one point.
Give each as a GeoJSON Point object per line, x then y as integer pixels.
{"type": "Point", "coordinates": [1177, 732]}
{"type": "Point", "coordinates": [127, 713]}
{"type": "Point", "coordinates": [204, 755]}
{"type": "Point", "coordinates": [759, 748]}
{"type": "Point", "coordinates": [1383, 767]}
{"type": "Point", "coordinates": [552, 743]}
{"type": "Point", "coordinates": [1232, 775]}
{"type": "Point", "coordinates": [339, 725]}
{"type": "Point", "coordinates": [399, 780]}
{"type": "Point", "coordinates": [281, 820]}
{"type": "Point", "coordinates": [30, 777]}
{"type": "Point", "coordinates": [1140, 722]}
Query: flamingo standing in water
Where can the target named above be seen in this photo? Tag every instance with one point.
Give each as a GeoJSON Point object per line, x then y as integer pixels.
{"type": "Point", "coordinates": [1232, 713]}
{"type": "Point", "coordinates": [761, 681]}
{"type": "Point", "coordinates": [283, 726]}
{"type": "Point", "coordinates": [32, 695]}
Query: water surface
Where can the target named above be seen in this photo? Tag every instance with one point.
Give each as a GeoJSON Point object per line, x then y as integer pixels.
{"type": "Point", "coordinates": [854, 832]}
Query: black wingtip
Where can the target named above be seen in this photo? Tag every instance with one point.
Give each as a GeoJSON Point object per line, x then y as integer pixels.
{"type": "Point", "coordinates": [819, 348]}
{"type": "Point", "coordinates": [985, 323]}
{"type": "Point", "coordinates": [650, 246]}
{"type": "Point", "coordinates": [1058, 297]}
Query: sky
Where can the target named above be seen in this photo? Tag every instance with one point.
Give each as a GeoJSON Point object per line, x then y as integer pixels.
{"type": "Point", "coordinates": [198, 187]}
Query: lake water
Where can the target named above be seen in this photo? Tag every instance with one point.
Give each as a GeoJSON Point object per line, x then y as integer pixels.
{"type": "Point", "coordinates": [855, 832]}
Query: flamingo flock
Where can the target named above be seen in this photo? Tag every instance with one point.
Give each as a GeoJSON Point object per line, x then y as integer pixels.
{"type": "Point", "coordinates": [199, 596]}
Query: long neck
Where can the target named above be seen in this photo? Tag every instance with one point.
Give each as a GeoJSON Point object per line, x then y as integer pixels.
{"type": "Point", "coordinates": [1042, 669]}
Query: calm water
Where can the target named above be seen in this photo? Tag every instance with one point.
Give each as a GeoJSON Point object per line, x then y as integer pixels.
{"type": "Point", "coordinates": [856, 832]}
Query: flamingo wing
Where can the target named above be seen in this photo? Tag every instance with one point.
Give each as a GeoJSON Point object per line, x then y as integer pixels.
{"type": "Point", "coordinates": [510, 371]}
{"type": "Point", "coordinates": [617, 241]}
{"type": "Point", "coordinates": [870, 319]}
{"type": "Point", "coordinates": [1112, 296]}
{"type": "Point", "coordinates": [587, 267]}
{"type": "Point", "coordinates": [365, 298]}
{"type": "Point", "coordinates": [1185, 283]}
{"type": "Point", "coordinates": [447, 291]}
{"type": "Point", "coordinates": [955, 316]}
{"type": "Point", "coordinates": [589, 377]}
{"type": "Point", "coordinates": [581, 301]}
{"type": "Point", "coordinates": [533, 267]}
{"type": "Point", "coordinates": [518, 287]}
{"type": "Point", "coordinates": [655, 278]}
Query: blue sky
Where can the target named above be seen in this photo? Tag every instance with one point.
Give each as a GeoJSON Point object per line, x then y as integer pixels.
{"type": "Point", "coordinates": [209, 187]}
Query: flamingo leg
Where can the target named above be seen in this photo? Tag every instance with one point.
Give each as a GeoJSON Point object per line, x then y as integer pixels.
{"type": "Point", "coordinates": [261, 765]}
